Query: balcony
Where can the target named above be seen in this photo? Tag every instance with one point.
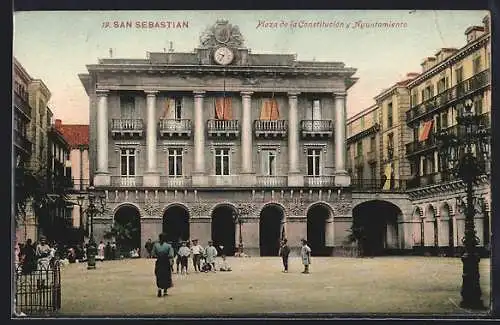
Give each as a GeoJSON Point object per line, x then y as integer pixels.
{"type": "Point", "coordinates": [126, 181]}
{"type": "Point", "coordinates": [171, 128]}
{"type": "Point", "coordinates": [449, 96]}
{"type": "Point", "coordinates": [22, 105]}
{"type": "Point", "coordinates": [223, 128]}
{"type": "Point", "coordinates": [419, 147]}
{"type": "Point", "coordinates": [319, 181]}
{"type": "Point", "coordinates": [359, 161]}
{"type": "Point", "coordinates": [363, 134]}
{"type": "Point", "coordinates": [272, 181]}
{"type": "Point", "coordinates": [21, 142]}
{"type": "Point", "coordinates": [485, 119]}
{"type": "Point", "coordinates": [175, 181]}
{"type": "Point", "coordinates": [127, 128]}
{"type": "Point", "coordinates": [378, 185]}
{"type": "Point", "coordinates": [270, 128]}
{"type": "Point", "coordinates": [430, 179]}
{"type": "Point", "coordinates": [372, 157]}
{"type": "Point", "coordinates": [316, 128]}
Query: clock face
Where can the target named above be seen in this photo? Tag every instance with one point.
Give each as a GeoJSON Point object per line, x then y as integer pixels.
{"type": "Point", "coordinates": [223, 56]}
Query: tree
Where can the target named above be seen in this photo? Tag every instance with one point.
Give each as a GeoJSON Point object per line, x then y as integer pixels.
{"type": "Point", "coordinates": [357, 235]}
{"type": "Point", "coordinates": [123, 234]}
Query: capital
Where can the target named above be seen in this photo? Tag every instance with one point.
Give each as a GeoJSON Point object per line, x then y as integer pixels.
{"type": "Point", "coordinates": [102, 92]}
{"type": "Point", "coordinates": [199, 93]}
{"type": "Point", "coordinates": [151, 92]}
{"type": "Point", "coordinates": [340, 94]}
{"type": "Point", "coordinates": [293, 94]}
{"type": "Point", "coordinates": [246, 93]}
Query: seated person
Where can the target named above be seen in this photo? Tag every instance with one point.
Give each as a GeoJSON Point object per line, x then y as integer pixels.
{"type": "Point", "coordinates": [224, 265]}
{"type": "Point", "coordinates": [206, 267]}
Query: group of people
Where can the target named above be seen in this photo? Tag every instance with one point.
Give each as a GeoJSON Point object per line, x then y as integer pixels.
{"type": "Point", "coordinates": [204, 260]}
{"type": "Point", "coordinates": [305, 254]}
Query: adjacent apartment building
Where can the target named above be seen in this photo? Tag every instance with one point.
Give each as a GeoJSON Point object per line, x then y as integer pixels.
{"type": "Point", "coordinates": [223, 144]}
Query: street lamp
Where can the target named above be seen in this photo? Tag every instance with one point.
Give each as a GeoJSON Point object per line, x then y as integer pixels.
{"type": "Point", "coordinates": [96, 205]}
{"type": "Point", "coordinates": [239, 220]}
{"type": "Point", "coordinates": [464, 150]}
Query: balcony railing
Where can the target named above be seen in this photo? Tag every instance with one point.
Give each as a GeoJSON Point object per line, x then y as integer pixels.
{"type": "Point", "coordinates": [270, 128]}
{"type": "Point", "coordinates": [430, 179]}
{"type": "Point", "coordinates": [319, 181]}
{"type": "Point", "coordinates": [394, 185]}
{"type": "Point", "coordinates": [81, 184]}
{"type": "Point", "coordinates": [485, 119]}
{"type": "Point", "coordinates": [175, 181]}
{"type": "Point", "coordinates": [448, 96]}
{"type": "Point", "coordinates": [223, 128]}
{"type": "Point", "coordinates": [22, 142]}
{"type": "Point", "coordinates": [175, 127]}
{"type": "Point", "coordinates": [272, 181]}
{"type": "Point", "coordinates": [126, 181]}
{"type": "Point", "coordinates": [359, 161]}
{"type": "Point", "coordinates": [127, 127]}
{"type": "Point", "coordinates": [313, 128]}
{"type": "Point", "coordinates": [372, 157]}
{"type": "Point", "coordinates": [22, 105]}
{"type": "Point", "coordinates": [421, 146]}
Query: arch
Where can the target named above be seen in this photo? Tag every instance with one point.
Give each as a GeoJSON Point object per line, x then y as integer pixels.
{"type": "Point", "coordinates": [285, 211]}
{"type": "Point", "coordinates": [431, 235]}
{"type": "Point", "coordinates": [271, 228]}
{"type": "Point", "coordinates": [175, 222]}
{"type": "Point", "coordinates": [319, 228]}
{"type": "Point", "coordinates": [376, 226]}
{"type": "Point", "coordinates": [127, 223]}
{"type": "Point", "coordinates": [183, 205]}
{"type": "Point", "coordinates": [417, 213]}
{"type": "Point", "coordinates": [323, 203]}
{"type": "Point", "coordinates": [445, 229]}
{"type": "Point", "coordinates": [430, 212]}
{"type": "Point", "coordinates": [136, 206]}
{"type": "Point", "coordinates": [223, 227]}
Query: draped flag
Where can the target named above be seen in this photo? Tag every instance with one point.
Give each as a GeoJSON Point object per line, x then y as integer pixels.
{"type": "Point", "coordinates": [426, 130]}
{"type": "Point", "coordinates": [388, 175]}
{"type": "Point", "coordinates": [269, 110]}
{"type": "Point", "coordinates": [168, 109]}
{"type": "Point", "coordinates": [223, 109]}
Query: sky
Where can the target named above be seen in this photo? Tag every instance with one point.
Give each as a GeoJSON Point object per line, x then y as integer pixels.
{"type": "Point", "coordinates": [57, 46]}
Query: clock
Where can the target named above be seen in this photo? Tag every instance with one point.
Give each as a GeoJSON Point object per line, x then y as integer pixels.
{"type": "Point", "coordinates": [223, 55]}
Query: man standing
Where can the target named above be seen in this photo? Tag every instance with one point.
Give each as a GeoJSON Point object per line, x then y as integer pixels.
{"type": "Point", "coordinates": [149, 247]}
{"type": "Point", "coordinates": [197, 250]}
{"type": "Point", "coordinates": [43, 254]}
{"type": "Point", "coordinates": [211, 254]}
{"type": "Point", "coordinates": [284, 253]}
{"type": "Point", "coordinates": [306, 256]}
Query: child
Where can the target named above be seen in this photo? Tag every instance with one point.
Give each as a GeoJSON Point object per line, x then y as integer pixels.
{"type": "Point", "coordinates": [210, 255]}
{"type": "Point", "coordinates": [284, 253]}
{"type": "Point", "coordinates": [197, 251]}
{"type": "Point", "coordinates": [306, 256]}
{"type": "Point", "coordinates": [184, 253]}
{"type": "Point", "coordinates": [225, 266]}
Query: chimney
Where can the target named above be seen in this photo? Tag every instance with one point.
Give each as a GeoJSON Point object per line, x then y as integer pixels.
{"type": "Point", "coordinates": [486, 23]}
{"type": "Point", "coordinates": [412, 75]}
{"type": "Point", "coordinates": [171, 49]}
{"type": "Point", "coordinates": [111, 53]}
{"type": "Point", "coordinates": [58, 124]}
{"type": "Point", "coordinates": [428, 63]}
{"type": "Point", "coordinates": [474, 32]}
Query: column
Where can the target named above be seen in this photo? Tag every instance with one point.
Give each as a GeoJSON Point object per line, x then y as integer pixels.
{"type": "Point", "coordinates": [329, 232]}
{"type": "Point", "coordinates": [102, 177]}
{"type": "Point", "coordinates": [199, 134]}
{"type": "Point", "coordinates": [294, 177]}
{"type": "Point", "coordinates": [443, 231]}
{"type": "Point", "coordinates": [151, 176]}
{"type": "Point", "coordinates": [246, 133]}
{"type": "Point", "coordinates": [341, 176]}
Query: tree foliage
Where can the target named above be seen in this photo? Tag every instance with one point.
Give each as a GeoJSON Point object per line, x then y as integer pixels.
{"type": "Point", "coordinates": [123, 234]}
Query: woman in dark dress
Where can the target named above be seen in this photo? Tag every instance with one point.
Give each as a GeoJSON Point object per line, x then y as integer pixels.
{"type": "Point", "coordinates": [164, 254]}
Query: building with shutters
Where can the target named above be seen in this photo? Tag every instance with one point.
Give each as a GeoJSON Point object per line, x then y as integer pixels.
{"type": "Point", "coordinates": [392, 148]}
{"type": "Point", "coordinates": [191, 143]}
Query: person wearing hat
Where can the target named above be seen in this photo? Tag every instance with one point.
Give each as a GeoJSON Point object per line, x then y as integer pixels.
{"type": "Point", "coordinates": [43, 251]}
{"type": "Point", "coordinates": [210, 255]}
{"type": "Point", "coordinates": [164, 254]}
{"type": "Point", "coordinates": [197, 252]}
{"type": "Point", "coordinates": [306, 256]}
{"type": "Point", "coordinates": [184, 253]}
{"type": "Point", "coordinates": [284, 253]}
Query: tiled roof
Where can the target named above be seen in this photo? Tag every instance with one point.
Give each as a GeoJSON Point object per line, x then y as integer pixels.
{"type": "Point", "coordinates": [75, 134]}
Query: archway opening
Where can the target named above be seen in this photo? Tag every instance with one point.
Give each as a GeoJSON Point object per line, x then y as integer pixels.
{"type": "Point", "coordinates": [270, 229]}
{"type": "Point", "coordinates": [176, 223]}
{"type": "Point", "coordinates": [223, 229]}
{"type": "Point", "coordinates": [317, 217]}
{"type": "Point", "coordinates": [127, 228]}
{"type": "Point", "coordinates": [376, 227]}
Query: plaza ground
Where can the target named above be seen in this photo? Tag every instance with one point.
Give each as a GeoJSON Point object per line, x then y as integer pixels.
{"type": "Point", "coordinates": [416, 285]}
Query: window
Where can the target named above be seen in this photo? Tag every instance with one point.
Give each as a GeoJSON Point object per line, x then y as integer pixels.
{"type": "Point", "coordinates": [413, 99]}
{"type": "Point", "coordinates": [313, 162]}
{"type": "Point", "coordinates": [314, 112]}
{"type": "Point", "coordinates": [359, 149]}
{"type": "Point", "coordinates": [373, 144]}
{"type": "Point", "coordinates": [127, 167]}
{"type": "Point", "coordinates": [269, 162]}
{"type": "Point", "coordinates": [390, 146]}
{"type": "Point", "coordinates": [222, 162]}
{"type": "Point", "coordinates": [375, 117]}
{"type": "Point", "coordinates": [362, 122]}
{"type": "Point", "coordinates": [127, 107]}
{"type": "Point", "coordinates": [478, 105]}
{"type": "Point", "coordinates": [389, 115]}
{"type": "Point", "coordinates": [373, 172]}
{"type": "Point", "coordinates": [459, 76]}
{"type": "Point", "coordinates": [441, 85]}
{"type": "Point", "coordinates": [476, 65]}
{"type": "Point", "coordinates": [174, 162]}
{"type": "Point", "coordinates": [178, 108]}
{"type": "Point", "coordinates": [444, 120]}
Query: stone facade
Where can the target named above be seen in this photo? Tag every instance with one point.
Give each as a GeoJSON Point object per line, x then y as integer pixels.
{"type": "Point", "coordinates": [144, 114]}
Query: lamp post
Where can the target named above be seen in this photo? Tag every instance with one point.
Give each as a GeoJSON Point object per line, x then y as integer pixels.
{"type": "Point", "coordinates": [239, 220]}
{"type": "Point", "coordinates": [464, 150]}
{"type": "Point", "coordinates": [96, 205]}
